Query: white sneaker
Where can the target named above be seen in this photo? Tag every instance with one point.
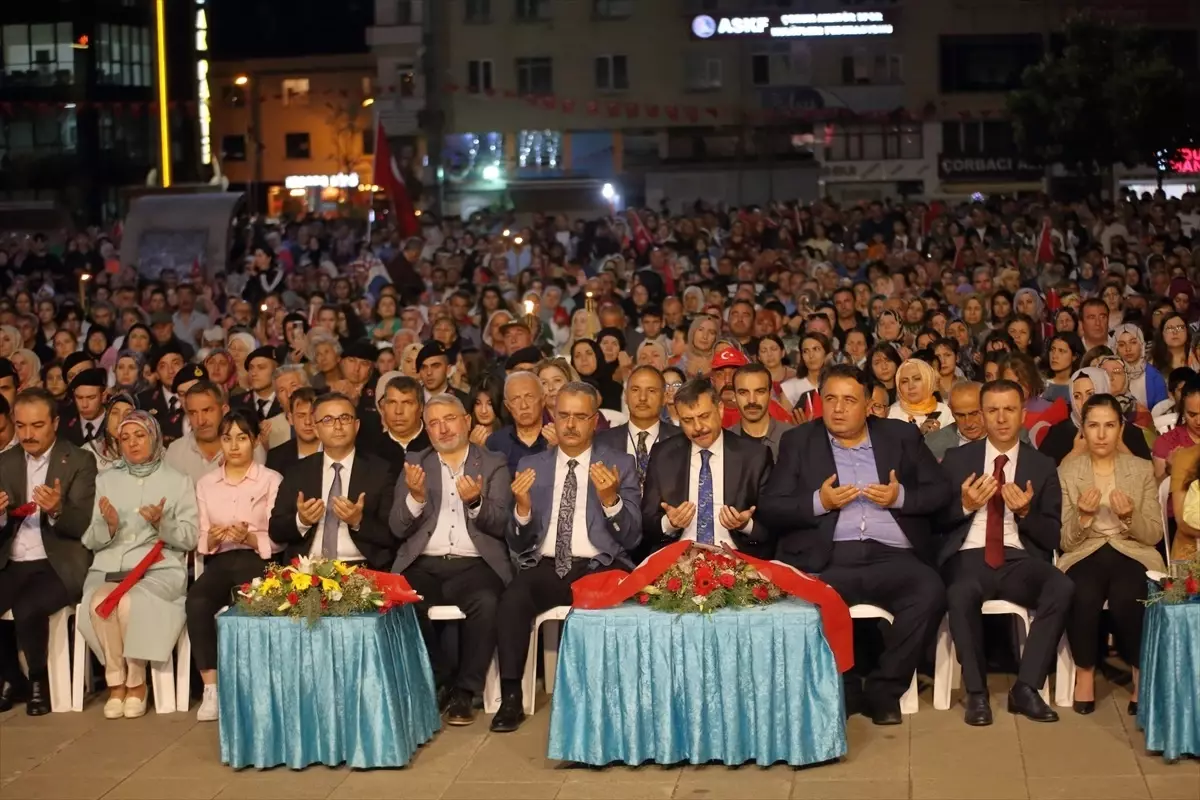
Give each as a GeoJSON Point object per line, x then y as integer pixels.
{"type": "Point", "coordinates": [114, 708]}
{"type": "Point", "coordinates": [210, 708]}
{"type": "Point", "coordinates": [134, 707]}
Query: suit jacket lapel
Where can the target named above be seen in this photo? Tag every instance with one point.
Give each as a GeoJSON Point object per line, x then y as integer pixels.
{"type": "Point", "coordinates": [542, 496]}
{"type": "Point", "coordinates": [731, 472]}
{"type": "Point", "coordinates": [433, 474]}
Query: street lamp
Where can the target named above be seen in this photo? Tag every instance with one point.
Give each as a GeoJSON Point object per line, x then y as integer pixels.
{"type": "Point", "coordinates": [240, 80]}
{"type": "Point", "coordinates": [370, 101]}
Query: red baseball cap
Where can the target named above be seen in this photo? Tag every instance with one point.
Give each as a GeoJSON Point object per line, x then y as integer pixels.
{"type": "Point", "coordinates": [729, 357]}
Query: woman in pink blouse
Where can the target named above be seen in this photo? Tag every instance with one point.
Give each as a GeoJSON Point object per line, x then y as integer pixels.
{"type": "Point", "coordinates": [235, 505]}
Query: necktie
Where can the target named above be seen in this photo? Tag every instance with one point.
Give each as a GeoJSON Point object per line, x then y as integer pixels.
{"type": "Point", "coordinates": [329, 528]}
{"type": "Point", "coordinates": [704, 512]}
{"type": "Point", "coordinates": [642, 455]}
{"type": "Point", "coordinates": [993, 546]}
{"type": "Point", "coordinates": [88, 432]}
{"type": "Point", "coordinates": [173, 403]}
{"type": "Point", "coordinates": [262, 409]}
{"type": "Point", "coordinates": [566, 519]}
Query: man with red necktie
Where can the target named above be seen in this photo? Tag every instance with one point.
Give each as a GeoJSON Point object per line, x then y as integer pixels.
{"type": "Point", "coordinates": [999, 546]}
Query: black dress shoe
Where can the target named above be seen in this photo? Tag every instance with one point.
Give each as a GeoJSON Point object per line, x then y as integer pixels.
{"type": "Point", "coordinates": [1131, 709]}
{"type": "Point", "coordinates": [1084, 706]}
{"type": "Point", "coordinates": [510, 716]}
{"type": "Point", "coordinates": [39, 699]}
{"type": "Point", "coordinates": [1023, 699]}
{"type": "Point", "coordinates": [11, 694]}
{"type": "Point", "coordinates": [461, 708]}
{"type": "Point", "coordinates": [979, 711]}
{"type": "Point", "coordinates": [444, 693]}
{"type": "Point", "coordinates": [886, 712]}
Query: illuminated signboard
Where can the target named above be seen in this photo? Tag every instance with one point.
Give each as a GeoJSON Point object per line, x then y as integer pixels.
{"type": "Point", "coordinates": [342, 180]}
{"type": "Point", "coordinates": [786, 26]}
{"type": "Point", "coordinates": [202, 92]}
{"type": "Point", "coordinates": [1188, 161]}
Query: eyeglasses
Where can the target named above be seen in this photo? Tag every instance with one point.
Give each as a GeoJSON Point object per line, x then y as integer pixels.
{"type": "Point", "coordinates": [444, 422]}
{"type": "Point", "coordinates": [1176, 328]}
{"type": "Point", "coordinates": [674, 385]}
{"type": "Point", "coordinates": [342, 420]}
{"type": "Point", "coordinates": [565, 417]}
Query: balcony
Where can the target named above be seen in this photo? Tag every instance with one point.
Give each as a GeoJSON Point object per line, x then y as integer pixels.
{"type": "Point", "coordinates": [857, 98]}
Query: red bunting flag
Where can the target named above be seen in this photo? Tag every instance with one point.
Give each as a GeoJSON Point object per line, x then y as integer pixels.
{"type": "Point", "coordinates": [386, 174]}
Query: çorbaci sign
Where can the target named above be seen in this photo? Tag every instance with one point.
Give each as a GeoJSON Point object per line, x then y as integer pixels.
{"type": "Point", "coordinates": [984, 167]}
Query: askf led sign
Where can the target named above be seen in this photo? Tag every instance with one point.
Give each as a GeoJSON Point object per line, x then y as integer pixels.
{"type": "Point", "coordinates": [786, 26]}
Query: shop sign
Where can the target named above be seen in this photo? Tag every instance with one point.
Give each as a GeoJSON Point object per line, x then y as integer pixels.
{"type": "Point", "coordinates": [985, 167]}
{"type": "Point", "coordinates": [786, 26]}
{"type": "Point", "coordinates": [343, 180]}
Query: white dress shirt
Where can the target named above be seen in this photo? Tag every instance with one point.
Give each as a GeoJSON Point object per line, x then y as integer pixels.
{"type": "Point", "coordinates": [450, 536]}
{"type": "Point", "coordinates": [346, 549]}
{"type": "Point", "coordinates": [977, 535]}
{"type": "Point", "coordinates": [167, 395]}
{"type": "Point", "coordinates": [263, 404]}
{"type": "Point", "coordinates": [581, 544]}
{"type": "Point", "coordinates": [95, 423]}
{"type": "Point", "coordinates": [631, 438]}
{"type": "Point", "coordinates": [27, 543]}
{"type": "Point", "coordinates": [716, 465]}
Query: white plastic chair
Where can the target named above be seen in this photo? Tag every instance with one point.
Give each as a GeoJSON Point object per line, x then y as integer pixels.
{"type": "Point", "coordinates": [947, 673]}
{"type": "Point", "coordinates": [491, 684]}
{"type": "Point", "coordinates": [551, 620]}
{"type": "Point", "coordinates": [58, 659]}
{"type": "Point", "coordinates": [909, 702]}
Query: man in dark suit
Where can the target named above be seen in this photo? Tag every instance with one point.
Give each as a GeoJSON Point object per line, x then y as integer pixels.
{"type": "Point", "coordinates": [304, 441]}
{"type": "Point", "coordinates": [645, 394]}
{"type": "Point", "coordinates": [163, 401]}
{"type": "Point", "coordinates": [72, 365]}
{"type": "Point", "coordinates": [851, 500]}
{"type": "Point", "coordinates": [336, 504]}
{"type": "Point", "coordinates": [402, 408]}
{"type": "Point", "coordinates": [260, 400]}
{"type": "Point", "coordinates": [451, 512]}
{"type": "Point", "coordinates": [999, 545]}
{"type": "Point", "coordinates": [704, 485]}
{"type": "Point", "coordinates": [42, 562]}
{"type": "Point", "coordinates": [87, 394]}
{"type": "Point", "coordinates": [576, 512]}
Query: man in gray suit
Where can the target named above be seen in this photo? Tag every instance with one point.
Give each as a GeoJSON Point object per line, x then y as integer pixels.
{"type": "Point", "coordinates": [576, 510]}
{"type": "Point", "coordinates": [450, 514]}
{"type": "Point", "coordinates": [752, 391]}
{"type": "Point", "coordinates": [47, 491]}
{"type": "Point", "coordinates": [968, 421]}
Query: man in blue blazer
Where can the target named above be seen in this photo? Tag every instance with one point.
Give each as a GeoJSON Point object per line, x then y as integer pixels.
{"type": "Point", "coordinates": [576, 512]}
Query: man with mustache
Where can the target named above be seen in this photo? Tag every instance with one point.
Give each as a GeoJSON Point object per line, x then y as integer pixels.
{"type": "Point", "coordinates": [752, 393]}
{"type": "Point", "coordinates": [644, 394]}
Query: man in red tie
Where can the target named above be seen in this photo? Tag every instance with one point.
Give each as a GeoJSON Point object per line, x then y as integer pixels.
{"type": "Point", "coordinates": [999, 545]}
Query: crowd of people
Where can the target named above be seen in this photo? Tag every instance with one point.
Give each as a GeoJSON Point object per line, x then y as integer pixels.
{"type": "Point", "coordinates": [927, 406]}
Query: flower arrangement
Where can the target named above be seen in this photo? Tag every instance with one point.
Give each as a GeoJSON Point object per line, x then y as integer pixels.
{"type": "Point", "coordinates": [704, 580]}
{"type": "Point", "coordinates": [312, 588]}
{"type": "Point", "coordinates": [1182, 586]}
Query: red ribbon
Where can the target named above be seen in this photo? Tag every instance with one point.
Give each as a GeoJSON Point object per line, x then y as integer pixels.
{"type": "Point", "coordinates": [109, 604]}
{"type": "Point", "coordinates": [395, 588]}
{"type": "Point", "coordinates": [22, 511]}
{"type": "Point", "coordinates": [613, 587]}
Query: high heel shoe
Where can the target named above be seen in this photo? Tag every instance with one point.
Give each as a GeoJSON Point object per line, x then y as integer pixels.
{"type": "Point", "coordinates": [1132, 708]}
{"type": "Point", "coordinates": [1084, 706]}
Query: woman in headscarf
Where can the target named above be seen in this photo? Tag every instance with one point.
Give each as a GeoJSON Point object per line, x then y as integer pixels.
{"type": "Point", "coordinates": [28, 367]}
{"type": "Point", "coordinates": [493, 342]}
{"type": "Point", "coordinates": [612, 344]}
{"type": "Point", "coordinates": [408, 359]}
{"type": "Point", "coordinates": [105, 447]}
{"type": "Point", "coordinates": [1028, 302]}
{"type": "Point", "coordinates": [1182, 294]}
{"type": "Point", "coordinates": [588, 360]}
{"type": "Point", "coordinates": [701, 344]}
{"type": "Point", "coordinates": [10, 340]}
{"type": "Point", "coordinates": [140, 503]}
{"type": "Point", "coordinates": [915, 402]}
{"type": "Point", "coordinates": [240, 346]}
{"type": "Point", "coordinates": [1064, 438]}
{"type": "Point", "coordinates": [693, 301]}
{"type": "Point", "coordinates": [1136, 414]}
{"type": "Point", "coordinates": [1145, 382]}
{"type": "Point", "coordinates": [129, 373]}
{"type": "Point", "coordinates": [222, 371]}
{"type": "Point", "coordinates": [973, 316]}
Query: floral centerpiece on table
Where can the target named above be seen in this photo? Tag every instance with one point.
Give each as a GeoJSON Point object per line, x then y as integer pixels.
{"type": "Point", "coordinates": [312, 588]}
{"type": "Point", "coordinates": [1183, 586]}
{"type": "Point", "coordinates": [704, 580]}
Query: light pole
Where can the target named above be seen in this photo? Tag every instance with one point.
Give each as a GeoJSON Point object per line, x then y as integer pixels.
{"type": "Point", "coordinates": [164, 127]}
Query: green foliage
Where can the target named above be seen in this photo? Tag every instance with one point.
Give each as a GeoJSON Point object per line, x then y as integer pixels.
{"type": "Point", "coordinates": [704, 580]}
{"type": "Point", "coordinates": [1184, 587]}
{"type": "Point", "coordinates": [1110, 97]}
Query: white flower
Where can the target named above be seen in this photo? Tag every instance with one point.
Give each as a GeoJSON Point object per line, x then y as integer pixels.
{"type": "Point", "coordinates": [306, 565]}
{"type": "Point", "coordinates": [335, 595]}
{"type": "Point", "coordinates": [257, 582]}
{"type": "Point", "coordinates": [366, 591]}
{"type": "Point", "coordinates": [698, 600]}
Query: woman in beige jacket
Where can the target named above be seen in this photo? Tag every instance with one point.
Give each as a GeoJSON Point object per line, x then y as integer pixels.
{"type": "Point", "coordinates": [1111, 523]}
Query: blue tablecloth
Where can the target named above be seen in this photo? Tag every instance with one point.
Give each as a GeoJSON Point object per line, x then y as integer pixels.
{"type": "Point", "coordinates": [636, 685]}
{"type": "Point", "coordinates": [355, 690]}
{"type": "Point", "coordinates": [1169, 693]}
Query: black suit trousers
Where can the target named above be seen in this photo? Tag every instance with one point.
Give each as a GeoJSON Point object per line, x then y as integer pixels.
{"type": "Point", "coordinates": [1107, 576]}
{"type": "Point", "coordinates": [894, 579]}
{"type": "Point", "coordinates": [533, 591]}
{"type": "Point", "coordinates": [1023, 579]}
{"type": "Point", "coordinates": [473, 586]}
{"type": "Point", "coordinates": [33, 591]}
{"type": "Point", "coordinates": [211, 592]}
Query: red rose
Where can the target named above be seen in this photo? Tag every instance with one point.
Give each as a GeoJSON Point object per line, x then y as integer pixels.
{"type": "Point", "coordinates": [1167, 584]}
{"type": "Point", "coordinates": [324, 603]}
{"type": "Point", "coordinates": [643, 598]}
{"type": "Point", "coordinates": [293, 598]}
{"type": "Point", "coordinates": [727, 580]}
{"type": "Point", "coordinates": [246, 588]}
{"type": "Point", "coordinates": [704, 573]}
{"type": "Point", "coordinates": [704, 586]}
{"type": "Point", "coordinates": [761, 593]}
{"type": "Point", "coordinates": [296, 561]}
{"type": "Point", "coordinates": [1191, 585]}
{"type": "Point", "coordinates": [674, 584]}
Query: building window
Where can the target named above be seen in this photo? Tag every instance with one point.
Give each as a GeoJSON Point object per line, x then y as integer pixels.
{"type": "Point", "coordinates": [702, 72]}
{"type": "Point", "coordinates": [986, 63]}
{"type": "Point", "coordinates": [612, 73]}
{"type": "Point", "coordinates": [781, 64]}
{"type": "Point", "coordinates": [38, 55]}
{"type": "Point", "coordinates": [533, 10]}
{"type": "Point", "coordinates": [406, 78]}
{"type": "Point", "coordinates": [479, 76]}
{"type": "Point", "coordinates": [368, 141]}
{"type": "Point", "coordinates": [233, 147]}
{"type": "Point", "coordinates": [296, 146]}
{"type": "Point", "coordinates": [123, 55]}
{"type": "Point", "coordinates": [38, 133]}
{"type": "Point", "coordinates": [612, 9]}
{"type": "Point", "coordinates": [295, 91]}
{"type": "Point", "coordinates": [977, 138]}
{"type": "Point", "coordinates": [535, 76]}
{"type": "Point", "coordinates": [479, 11]}
{"type": "Point", "coordinates": [875, 142]}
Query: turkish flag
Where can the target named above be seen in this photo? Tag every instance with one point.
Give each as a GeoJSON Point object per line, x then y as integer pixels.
{"type": "Point", "coordinates": [386, 174]}
{"type": "Point", "coordinates": [1045, 250]}
{"type": "Point", "coordinates": [641, 236]}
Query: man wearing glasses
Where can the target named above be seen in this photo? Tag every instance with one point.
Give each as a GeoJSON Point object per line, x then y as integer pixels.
{"type": "Point", "coordinates": [450, 515]}
{"type": "Point", "coordinates": [576, 512]}
{"type": "Point", "coordinates": [336, 503]}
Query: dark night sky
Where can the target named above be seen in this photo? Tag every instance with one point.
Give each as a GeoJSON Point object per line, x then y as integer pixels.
{"type": "Point", "coordinates": [280, 28]}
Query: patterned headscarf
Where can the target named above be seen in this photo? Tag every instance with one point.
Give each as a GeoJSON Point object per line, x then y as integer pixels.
{"type": "Point", "coordinates": [140, 384]}
{"type": "Point", "coordinates": [147, 423]}
{"type": "Point", "coordinates": [1138, 368]}
{"type": "Point", "coordinates": [1100, 384]}
{"type": "Point", "coordinates": [106, 445]}
{"type": "Point", "coordinates": [927, 404]}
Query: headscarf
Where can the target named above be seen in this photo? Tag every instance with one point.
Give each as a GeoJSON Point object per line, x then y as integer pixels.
{"type": "Point", "coordinates": [143, 420]}
{"type": "Point", "coordinates": [1100, 382]}
{"type": "Point", "coordinates": [690, 352]}
{"type": "Point", "coordinates": [1129, 403]}
{"type": "Point", "coordinates": [696, 290]}
{"type": "Point", "coordinates": [613, 332]}
{"type": "Point", "coordinates": [35, 366]}
{"type": "Point", "coordinates": [487, 328]}
{"type": "Point", "coordinates": [602, 379]}
{"type": "Point", "coordinates": [1184, 286]}
{"type": "Point", "coordinates": [1138, 368]}
{"type": "Point", "coordinates": [106, 446]}
{"type": "Point", "coordinates": [14, 335]}
{"type": "Point", "coordinates": [384, 380]}
{"type": "Point", "coordinates": [232, 380]}
{"type": "Point", "coordinates": [929, 403]}
{"type": "Point", "coordinates": [141, 384]}
{"type": "Point", "coordinates": [1038, 305]}
{"type": "Point", "coordinates": [106, 333]}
